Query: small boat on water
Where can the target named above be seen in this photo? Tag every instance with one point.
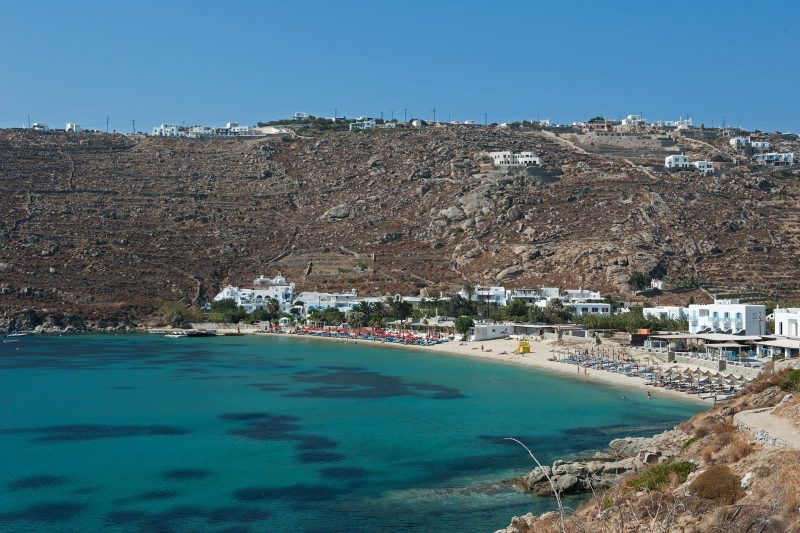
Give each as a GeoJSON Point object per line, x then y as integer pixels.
{"type": "Point", "coordinates": [18, 334]}
{"type": "Point", "coordinates": [176, 335]}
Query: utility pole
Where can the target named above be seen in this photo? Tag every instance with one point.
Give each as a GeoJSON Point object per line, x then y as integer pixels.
{"type": "Point", "coordinates": [107, 119]}
{"type": "Point", "coordinates": [448, 118]}
{"type": "Point", "coordinates": [392, 116]}
{"type": "Point", "coordinates": [133, 123]}
{"type": "Point", "coordinates": [29, 122]}
{"type": "Point", "coordinates": [381, 116]}
{"type": "Point", "coordinates": [405, 118]}
{"type": "Point", "coordinates": [434, 115]}
{"type": "Point", "coordinates": [486, 119]}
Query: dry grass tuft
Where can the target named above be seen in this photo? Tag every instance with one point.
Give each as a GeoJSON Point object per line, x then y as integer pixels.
{"type": "Point", "coordinates": [739, 450]}
{"type": "Point", "coordinates": [717, 483]}
{"type": "Point", "coordinates": [708, 455]}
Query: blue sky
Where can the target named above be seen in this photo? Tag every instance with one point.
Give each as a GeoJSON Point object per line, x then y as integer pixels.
{"type": "Point", "coordinates": [210, 62]}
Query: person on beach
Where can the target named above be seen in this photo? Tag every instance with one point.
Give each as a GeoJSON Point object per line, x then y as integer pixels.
{"type": "Point", "coordinates": [481, 347]}
{"type": "Point", "coordinates": [649, 396]}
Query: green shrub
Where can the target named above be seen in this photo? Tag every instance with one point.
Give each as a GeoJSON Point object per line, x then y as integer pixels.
{"type": "Point", "coordinates": [688, 443]}
{"type": "Point", "coordinates": [659, 476]}
{"type": "Point", "coordinates": [717, 483]}
{"type": "Point", "coordinates": [791, 381]}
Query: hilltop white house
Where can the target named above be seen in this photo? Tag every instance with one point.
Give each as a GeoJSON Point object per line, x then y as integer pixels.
{"type": "Point", "coordinates": [366, 124]}
{"type": "Point", "coordinates": [775, 159]}
{"type": "Point", "coordinates": [682, 161]}
{"type": "Point", "coordinates": [167, 130]}
{"type": "Point", "coordinates": [507, 158]}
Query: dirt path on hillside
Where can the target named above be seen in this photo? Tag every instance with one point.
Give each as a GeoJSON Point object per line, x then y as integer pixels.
{"type": "Point", "coordinates": [774, 426]}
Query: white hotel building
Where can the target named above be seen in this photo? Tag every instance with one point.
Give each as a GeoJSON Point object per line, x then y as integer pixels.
{"type": "Point", "coordinates": [728, 316]}
{"type": "Point", "coordinates": [259, 295]}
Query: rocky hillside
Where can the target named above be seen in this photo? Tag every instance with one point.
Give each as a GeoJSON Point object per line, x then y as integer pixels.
{"type": "Point", "coordinates": [108, 226]}
{"type": "Point", "coordinates": [712, 473]}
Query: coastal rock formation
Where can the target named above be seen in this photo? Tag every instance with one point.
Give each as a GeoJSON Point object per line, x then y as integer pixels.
{"type": "Point", "coordinates": [603, 469]}
{"type": "Point", "coordinates": [721, 477]}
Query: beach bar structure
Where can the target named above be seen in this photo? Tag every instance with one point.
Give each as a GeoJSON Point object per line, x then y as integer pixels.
{"type": "Point", "coordinates": [712, 350]}
{"type": "Point", "coordinates": [786, 348]}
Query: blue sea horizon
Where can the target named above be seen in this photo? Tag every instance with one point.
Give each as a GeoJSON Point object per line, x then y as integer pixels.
{"type": "Point", "coordinates": [144, 433]}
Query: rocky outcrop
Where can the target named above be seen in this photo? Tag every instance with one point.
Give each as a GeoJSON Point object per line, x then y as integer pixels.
{"type": "Point", "coordinates": [603, 469]}
{"type": "Point", "coordinates": [339, 211]}
{"type": "Point", "coordinates": [52, 321]}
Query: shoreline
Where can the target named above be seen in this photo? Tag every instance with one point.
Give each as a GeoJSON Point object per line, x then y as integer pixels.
{"type": "Point", "coordinates": [493, 352]}
{"type": "Point", "coordinates": [537, 359]}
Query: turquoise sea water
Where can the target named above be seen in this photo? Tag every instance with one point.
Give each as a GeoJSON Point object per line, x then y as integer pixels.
{"type": "Point", "coordinates": [145, 433]}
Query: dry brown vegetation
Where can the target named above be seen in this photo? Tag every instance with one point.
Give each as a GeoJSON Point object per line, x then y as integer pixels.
{"type": "Point", "coordinates": [104, 225]}
{"type": "Point", "coordinates": [717, 483]}
{"type": "Point", "coordinates": [739, 450]}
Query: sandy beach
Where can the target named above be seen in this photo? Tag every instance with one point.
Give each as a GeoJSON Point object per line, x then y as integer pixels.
{"type": "Point", "coordinates": [502, 351]}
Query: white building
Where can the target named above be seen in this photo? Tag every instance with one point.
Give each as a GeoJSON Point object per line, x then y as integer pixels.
{"type": "Point", "coordinates": [740, 143]}
{"type": "Point", "coordinates": [260, 294]}
{"type": "Point", "coordinates": [580, 295]}
{"type": "Point", "coordinates": [167, 130]}
{"type": "Point", "coordinates": [761, 146]}
{"type": "Point", "coordinates": [787, 322]}
{"type": "Point", "coordinates": [593, 308]}
{"type": "Point", "coordinates": [300, 115]}
{"type": "Point", "coordinates": [706, 167]}
{"type": "Point", "coordinates": [201, 131]}
{"type": "Point", "coordinates": [485, 332]}
{"type": "Point", "coordinates": [683, 124]}
{"type": "Point", "coordinates": [73, 126]}
{"type": "Point", "coordinates": [235, 128]}
{"type": "Point", "coordinates": [367, 124]}
{"type": "Point", "coordinates": [40, 126]}
{"type": "Point", "coordinates": [581, 300]}
{"type": "Point", "coordinates": [633, 120]}
{"type": "Point", "coordinates": [744, 143]}
{"type": "Point", "coordinates": [775, 159]}
{"type": "Point", "coordinates": [787, 335]}
{"type": "Point", "coordinates": [344, 301]}
{"type": "Point", "coordinates": [492, 295]}
{"type": "Point", "coordinates": [728, 316]}
{"type": "Point", "coordinates": [666, 311]}
{"type": "Point", "coordinates": [677, 161]}
{"type": "Point", "coordinates": [502, 159]}
{"type": "Point", "coordinates": [682, 161]}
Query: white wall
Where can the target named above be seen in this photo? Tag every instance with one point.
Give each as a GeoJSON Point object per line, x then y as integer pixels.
{"type": "Point", "coordinates": [752, 319]}
{"type": "Point", "coordinates": [787, 322]}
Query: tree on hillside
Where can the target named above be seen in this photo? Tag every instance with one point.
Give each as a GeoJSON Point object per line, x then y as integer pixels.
{"type": "Point", "coordinates": [469, 290]}
{"type": "Point", "coordinates": [638, 280]}
{"type": "Point", "coordinates": [536, 314]}
{"type": "Point", "coordinates": [556, 312]}
{"type": "Point", "coordinates": [399, 309]}
{"type": "Point", "coordinates": [462, 325]}
{"type": "Point", "coordinates": [516, 310]}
